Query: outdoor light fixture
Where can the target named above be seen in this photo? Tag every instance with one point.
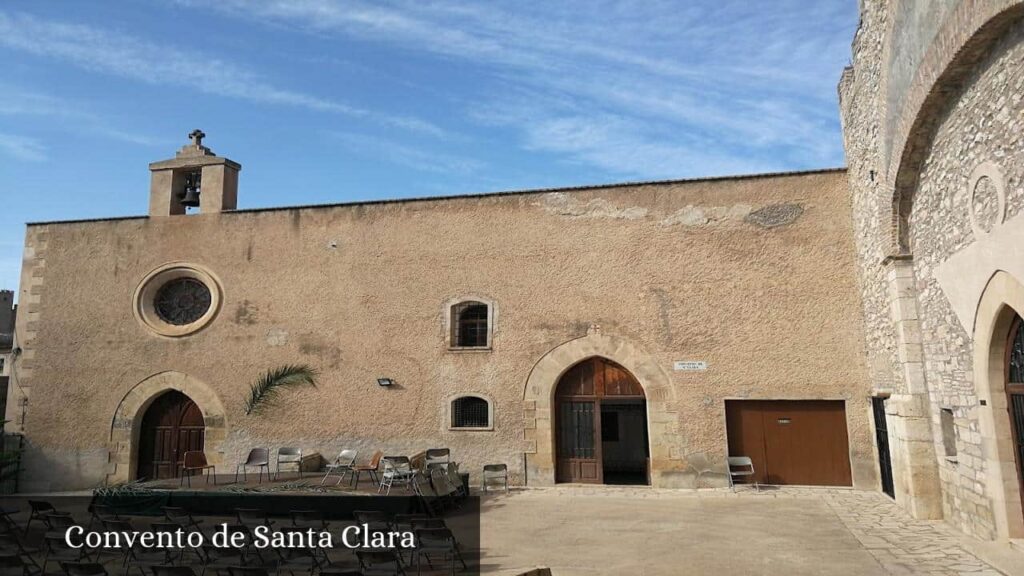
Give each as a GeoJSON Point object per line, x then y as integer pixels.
{"type": "Point", "coordinates": [385, 382]}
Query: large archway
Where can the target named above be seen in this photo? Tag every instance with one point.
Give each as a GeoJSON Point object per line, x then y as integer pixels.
{"type": "Point", "coordinates": [668, 467]}
{"type": "Point", "coordinates": [601, 419]}
{"type": "Point", "coordinates": [126, 426]}
{"type": "Point", "coordinates": [1001, 306]}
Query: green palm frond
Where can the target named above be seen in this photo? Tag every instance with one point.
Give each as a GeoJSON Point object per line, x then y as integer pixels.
{"type": "Point", "coordinates": [264, 393]}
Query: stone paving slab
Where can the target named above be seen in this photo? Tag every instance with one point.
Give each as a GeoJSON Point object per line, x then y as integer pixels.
{"type": "Point", "coordinates": [580, 530]}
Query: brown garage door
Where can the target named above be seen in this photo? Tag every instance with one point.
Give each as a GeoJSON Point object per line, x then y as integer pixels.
{"type": "Point", "coordinates": [791, 441]}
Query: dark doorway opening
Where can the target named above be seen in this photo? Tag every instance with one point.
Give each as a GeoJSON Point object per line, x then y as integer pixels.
{"type": "Point", "coordinates": [601, 419]}
{"type": "Point", "coordinates": [882, 441]}
{"type": "Point", "coordinates": [624, 441]}
{"type": "Point", "coordinates": [171, 426]}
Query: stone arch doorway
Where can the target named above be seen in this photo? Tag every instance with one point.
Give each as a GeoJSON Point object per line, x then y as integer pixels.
{"type": "Point", "coordinates": [171, 426]}
{"type": "Point", "coordinates": [601, 422]}
{"type": "Point", "coordinates": [667, 468]}
{"type": "Point", "coordinates": [127, 424]}
{"type": "Point", "coordinates": [997, 332]}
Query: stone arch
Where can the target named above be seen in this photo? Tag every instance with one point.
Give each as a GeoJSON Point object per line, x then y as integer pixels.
{"type": "Point", "coordinates": [124, 428]}
{"type": "Point", "coordinates": [1002, 299]}
{"type": "Point", "coordinates": [964, 41]}
{"type": "Point", "coordinates": [667, 467]}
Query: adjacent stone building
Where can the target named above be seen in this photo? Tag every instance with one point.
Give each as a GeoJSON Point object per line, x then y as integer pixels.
{"type": "Point", "coordinates": [933, 121]}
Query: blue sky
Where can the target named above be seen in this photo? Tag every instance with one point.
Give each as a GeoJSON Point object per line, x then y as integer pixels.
{"type": "Point", "coordinates": [377, 99]}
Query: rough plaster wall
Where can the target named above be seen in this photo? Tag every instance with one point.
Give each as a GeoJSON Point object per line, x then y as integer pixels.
{"type": "Point", "coordinates": [359, 292]}
{"type": "Point", "coordinates": [862, 111]}
{"type": "Point", "coordinates": [984, 123]}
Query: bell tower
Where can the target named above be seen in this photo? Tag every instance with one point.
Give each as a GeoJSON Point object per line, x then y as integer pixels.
{"type": "Point", "coordinates": [194, 178]}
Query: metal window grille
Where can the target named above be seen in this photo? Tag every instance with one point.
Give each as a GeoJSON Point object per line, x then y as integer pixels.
{"type": "Point", "coordinates": [469, 325]}
{"type": "Point", "coordinates": [470, 412]}
{"type": "Point", "coordinates": [1017, 355]}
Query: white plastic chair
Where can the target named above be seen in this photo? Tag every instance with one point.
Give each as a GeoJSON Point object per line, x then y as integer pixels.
{"type": "Point", "coordinates": [746, 470]}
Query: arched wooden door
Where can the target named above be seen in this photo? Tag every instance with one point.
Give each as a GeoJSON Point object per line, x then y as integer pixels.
{"type": "Point", "coordinates": [601, 419]}
{"type": "Point", "coordinates": [172, 425]}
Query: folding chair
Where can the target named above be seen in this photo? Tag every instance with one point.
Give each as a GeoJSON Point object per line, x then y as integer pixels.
{"type": "Point", "coordinates": [494, 472]}
{"type": "Point", "coordinates": [746, 466]}
{"type": "Point", "coordinates": [343, 463]}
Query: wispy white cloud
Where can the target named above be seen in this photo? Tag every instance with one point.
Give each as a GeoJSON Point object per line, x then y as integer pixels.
{"type": "Point", "coordinates": [635, 88]}
{"type": "Point", "coordinates": [22, 148]}
{"type": "Point", "coordinates": [130, 57]}
{"type": "Point", "coordinates": [18, 102]}
{"type": "Point", "coordinates": [417, 158]}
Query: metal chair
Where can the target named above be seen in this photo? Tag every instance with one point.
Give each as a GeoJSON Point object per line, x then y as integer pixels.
{"type": "Point", "coordinates": [10, 543]}
{"type": "Point", "coordinates": [13, 565]}
{"type": "Point", "coordinates": [397, 470]}
{"type": "Point", "coordinates": [379, 562]}
{"type": "Point", "coordinates": [253, 517]}
{"type": "Point", "coordinates": [38, 509]}
{"type": "Point", "coordinates": [492, 473]}
{"type": "Point", "coordinates": [55, 548]}
{"type": "Point", "coordinates": [437, 541]}
{"type": "Point", "coordinates": [83, 569]}
{"type": "Point", "coordinates": [182, 517]}
{"type": "Point", "coordinates": [438, 456]}
{"type": "Point", "coordinates": [289, 457]}
{"type": "Point", "coordinates": [196, 460]}
{"type": "Point", "coordinates": [258, 457]}
{"type": "Point", "coordinates": [344, 462]}
{"type": "Point", "coordinates": [183, 570]}
{"type": "Point", "coordinates": [746, 466]}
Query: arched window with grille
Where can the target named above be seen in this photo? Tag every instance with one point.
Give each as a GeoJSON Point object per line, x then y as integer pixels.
{"type": "Point", "coordinates": [471, 412]}
{"type": "Point", "coordinates": [470, 325]}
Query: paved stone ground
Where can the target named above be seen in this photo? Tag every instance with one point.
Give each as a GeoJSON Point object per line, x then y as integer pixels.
{"type": "Point", "coordinates": [580, 530]}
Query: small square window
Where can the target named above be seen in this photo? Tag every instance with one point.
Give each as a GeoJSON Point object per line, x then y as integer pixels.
{"type": "Point", "coordinates": [470, 323]}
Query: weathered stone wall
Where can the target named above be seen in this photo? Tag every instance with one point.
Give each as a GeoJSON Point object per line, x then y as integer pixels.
{"type": "Point", "coordinates": [985, 123]}
{"type": "Point", "coordinates": [917, 345]}
{"type": "Point", "coordinates": [755, 275]}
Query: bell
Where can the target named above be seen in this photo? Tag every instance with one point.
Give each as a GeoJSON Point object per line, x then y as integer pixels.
{"type": "Point", "coordinates": [190, 198]}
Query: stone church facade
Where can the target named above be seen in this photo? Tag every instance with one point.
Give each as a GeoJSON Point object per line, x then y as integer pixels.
{"type": "Point", "coordinates": [933, 121]}
{"type": "Point", "coordinates": [727, 275]}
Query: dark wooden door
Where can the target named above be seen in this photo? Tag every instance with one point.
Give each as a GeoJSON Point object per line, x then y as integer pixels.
{"type": "Point", "coordinates": [578, 416]}
{"type": "Point", "coordinates": [1015, 395]}
{"type": "Point", "coordinates": [172, 425]}
{"type": "Point", "coordinates": [791, 441]}
{"type": "Point", "coordinates": [882, 441]}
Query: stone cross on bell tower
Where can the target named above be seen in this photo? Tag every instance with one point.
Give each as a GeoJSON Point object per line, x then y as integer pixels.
{"type": "Point", "coordinates": [195, 177]}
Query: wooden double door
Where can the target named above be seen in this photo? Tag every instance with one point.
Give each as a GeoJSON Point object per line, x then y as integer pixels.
{"type": "Point", "coordinates": [171, 426]}
{"type": "Point", "coordinates": [791, 441]}
{"type": "Point", "coordinates": [589, 389]}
